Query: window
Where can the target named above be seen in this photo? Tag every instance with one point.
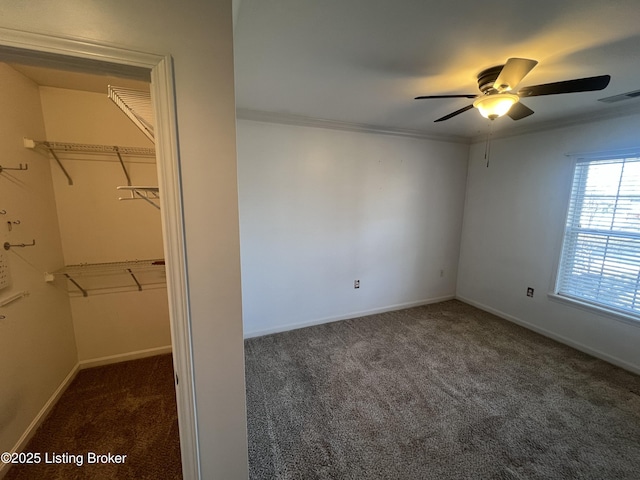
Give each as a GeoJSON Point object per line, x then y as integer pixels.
{"type": "Point", "coordinates": [600, 261]}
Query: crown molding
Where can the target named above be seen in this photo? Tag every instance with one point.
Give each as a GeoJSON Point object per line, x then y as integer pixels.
{"type": "Point", "coordinates": [581, 119]}
{"type": "Point", "coordinates": [304, 121]}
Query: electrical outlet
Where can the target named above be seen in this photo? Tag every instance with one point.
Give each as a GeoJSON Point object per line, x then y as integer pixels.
{"type": "Point", "coordinates": [530, 292]}
{"type": "Point", "coordinates": [356, 284]}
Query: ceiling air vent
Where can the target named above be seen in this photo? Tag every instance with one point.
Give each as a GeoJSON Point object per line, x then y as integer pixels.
{"type": "Point", "coordinates": [622, 96]}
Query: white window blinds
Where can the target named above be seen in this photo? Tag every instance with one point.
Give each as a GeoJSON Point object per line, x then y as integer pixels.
{"type": "Point", "coordinates": [600, 261]}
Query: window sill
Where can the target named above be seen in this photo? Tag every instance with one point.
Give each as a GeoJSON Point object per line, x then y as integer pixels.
{"type": "Point", "coordinates": [619, 316]}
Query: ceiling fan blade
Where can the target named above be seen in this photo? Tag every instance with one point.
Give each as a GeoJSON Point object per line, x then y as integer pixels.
{"type": "Point", "coordinates": [589, 84]}
{"type": "Point", "coordinates": [512, 73]}
{"type": "Point", "coordinates": [518, 111]}
{"type": "Point", "coordinates": [462, 95]}
{"type": "Point", "coordinates": [457, 112]}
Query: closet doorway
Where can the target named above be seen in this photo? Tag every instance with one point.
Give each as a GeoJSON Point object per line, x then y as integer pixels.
{"type": "Point", "coordinates": [31, 53]}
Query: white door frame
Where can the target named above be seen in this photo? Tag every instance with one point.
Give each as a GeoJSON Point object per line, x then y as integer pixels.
{"type": "Point", "coordinates": [82, 54]}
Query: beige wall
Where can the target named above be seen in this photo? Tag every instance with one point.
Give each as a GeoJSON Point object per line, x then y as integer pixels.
{"type": "Point", "coordinates": [198, 34]}
{"type": "Point", "coordinates": [37, 348]}
{"type": "Point", "coordinates": [96, 227]}
{"type": "Point", "coordinates": [120, 324]}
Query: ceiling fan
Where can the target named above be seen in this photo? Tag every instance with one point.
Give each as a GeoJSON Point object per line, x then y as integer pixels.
{"type": "Point", "coordinates": [497, 85]}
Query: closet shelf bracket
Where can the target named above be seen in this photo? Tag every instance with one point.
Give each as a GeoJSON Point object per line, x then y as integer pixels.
{"type": "Point", "coordinates": [149, 194]}
{"type": "Point", "coordinates": [126, 174]}
{"type": "Point", "coordinates": [84, 292]}
{"type": "Point", "coordinates": [64, 170]}
{"type": "Point", "coordinates": [135, 279]}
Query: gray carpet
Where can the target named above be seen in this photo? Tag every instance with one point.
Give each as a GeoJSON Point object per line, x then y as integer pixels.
{"type": "Point", "coordinates": [443, 391]}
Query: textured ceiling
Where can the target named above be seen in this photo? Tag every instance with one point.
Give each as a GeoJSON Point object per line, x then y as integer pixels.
{"type": "Point", "coordinates": [361, 62]}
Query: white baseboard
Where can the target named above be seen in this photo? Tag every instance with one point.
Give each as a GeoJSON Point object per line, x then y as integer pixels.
{"type": "Point", "coordinates": [347, 316]}
{"type": "Point", "coordinates": [39, 418]}
{"type": "Point", "coordinates": [560, 338]}
{"type": "Point", "coordinates": [123, 357]}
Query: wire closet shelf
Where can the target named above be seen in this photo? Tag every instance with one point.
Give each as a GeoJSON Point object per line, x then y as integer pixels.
{"type": "Point", "coordinates": [108, 277]}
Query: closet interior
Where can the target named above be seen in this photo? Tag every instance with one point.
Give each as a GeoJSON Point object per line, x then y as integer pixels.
{"type": "Point", "coordinates": [82, 277]}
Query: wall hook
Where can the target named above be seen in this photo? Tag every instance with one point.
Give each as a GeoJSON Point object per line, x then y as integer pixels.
{"type": "Point", "coordinates": [8, 245]}
{"type": "Point", "coordinates": [21, 167]}
{"type": "Point", "coordinates": [10, 224]}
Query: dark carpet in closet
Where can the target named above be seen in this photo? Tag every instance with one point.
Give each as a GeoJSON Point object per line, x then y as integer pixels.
{"type": "Point", "coordinates": [127, 408]}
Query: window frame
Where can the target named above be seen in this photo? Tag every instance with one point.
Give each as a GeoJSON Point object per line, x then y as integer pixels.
{"type": "Point", "coordinates": [592, 307]}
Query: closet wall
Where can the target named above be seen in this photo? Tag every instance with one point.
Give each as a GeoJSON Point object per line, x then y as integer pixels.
{"type": "Point", "coordinates": [96, 227]}
{"type": "Point", "coordinates": [37, 346]}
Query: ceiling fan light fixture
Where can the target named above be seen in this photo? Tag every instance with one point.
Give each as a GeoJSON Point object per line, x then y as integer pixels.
{"type": "Point", "coordinates": [495, 105]}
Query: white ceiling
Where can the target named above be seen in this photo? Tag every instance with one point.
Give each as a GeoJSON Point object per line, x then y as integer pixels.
{"type": "Point", "coordinates": [362, 62]}
{"type": "Point", "coordinates": [76, 80]}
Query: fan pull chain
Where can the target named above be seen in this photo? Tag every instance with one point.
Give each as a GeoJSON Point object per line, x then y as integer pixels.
{"type": "Point", "coordinates": [487, 147]}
